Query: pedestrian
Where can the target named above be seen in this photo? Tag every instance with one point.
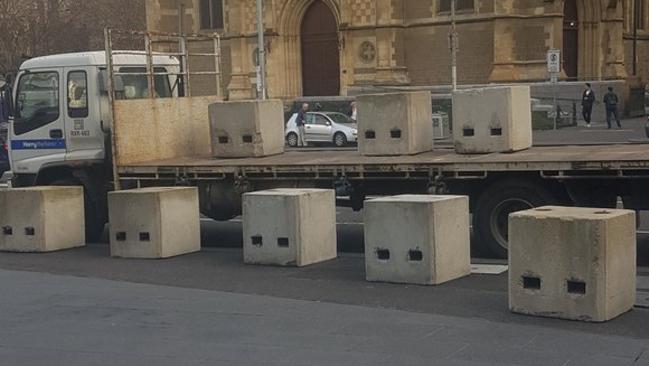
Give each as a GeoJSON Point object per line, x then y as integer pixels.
{"type": "Point", "coordinates": [587, 101]}
{"type": "Point", "coordinates": [352, 111]}
{"type": "Point", "coordinates": [610, 101]}
{"type": "Point", "coordinates": [300, 122]}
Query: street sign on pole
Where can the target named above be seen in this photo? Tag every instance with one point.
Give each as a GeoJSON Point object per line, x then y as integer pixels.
{"type": "Point", "coordinates": [554, 61]}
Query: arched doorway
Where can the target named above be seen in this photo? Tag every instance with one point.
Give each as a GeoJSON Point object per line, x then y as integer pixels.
{"type": "Point", "coordinates": [320, 54]}
{"type": "Point", "coordinates": [571, 39]}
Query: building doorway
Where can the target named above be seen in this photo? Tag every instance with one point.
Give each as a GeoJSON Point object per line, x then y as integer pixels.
{"type": "Point", "coordinates": [320, 54]}
{"type": "Point", "coordinates": [571, 39]}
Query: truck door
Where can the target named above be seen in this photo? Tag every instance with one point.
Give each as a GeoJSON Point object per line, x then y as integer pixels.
{"type": "Point", "coordinates": [85, 139]}
{"type": "Point", "coordinates": [37, 134]}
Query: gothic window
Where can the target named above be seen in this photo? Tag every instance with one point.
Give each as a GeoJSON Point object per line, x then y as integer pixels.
{"type": "Point", "coordinates": [460, 5]}
{"type": "Point", "coordinates": [211, 14]}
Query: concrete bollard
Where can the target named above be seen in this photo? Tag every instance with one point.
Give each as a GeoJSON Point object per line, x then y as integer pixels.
{"type": "Point", "coordinates": [494, 119]}
{"type": "Point", "coordinates": [289, 227]}
{"type": "Point", "coordinates": [41, 219]}
{"type": "Point", "coordinates": [252, 128]}
{"type": "Point", "coordinates": [395, 124]}
{"type": "Point", "coordinates": [154, 223]}
{"type": "Point", "coordinates": [572, 263]}
{"type": "Point", "coordinates": [417, 239]}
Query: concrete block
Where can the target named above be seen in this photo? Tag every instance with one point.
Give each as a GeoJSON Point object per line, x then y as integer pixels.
{"type": "Point", "coordinates": [572, 263]}
{"type": "Point", "coordinates": [152, 223]}
{"type": "Point", "coordinates": [41, 219]}
{"type": "Point", "coordinates": [494, 119]}
{"type": "Point", "coordinates": [252, 128]}
{"type": "Point", "coordinates": [417, 239]}
{"type": "Point", "coordinates": [395, 124]}
{"type": "Point", "coordinates": [289, 227]}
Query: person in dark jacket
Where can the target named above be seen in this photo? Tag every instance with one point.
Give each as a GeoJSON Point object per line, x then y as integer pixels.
{"type": "Point", "coordinates": [587, 101]}
{"type": "Point", "coordinates": [611, 101]}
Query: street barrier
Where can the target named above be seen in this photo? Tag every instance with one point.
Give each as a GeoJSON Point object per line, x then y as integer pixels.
{"type": "Point", "coordinates": [289, 227]}
{"type": "Point", "coordinates": [488, 120]}
{"type": "Point", "coordinates": [41, 219]}
{"type": "Point", "coordinates": [394, 124]}
{"type": "Point", "coordinates": [154, 222]}
{"type": "Point", "coordinates": [241, 129]}
{"type": "Point", "coordinates": [572, 263]}
{"type": "Point", "coordinates": [418, 239]}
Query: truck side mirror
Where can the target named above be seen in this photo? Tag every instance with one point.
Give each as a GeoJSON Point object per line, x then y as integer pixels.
{"type": "Point", "coordinates": [118, 82]}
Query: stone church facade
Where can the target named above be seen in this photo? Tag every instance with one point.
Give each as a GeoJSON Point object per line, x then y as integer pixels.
{"type": "Point", "coordinates": [334, 47]}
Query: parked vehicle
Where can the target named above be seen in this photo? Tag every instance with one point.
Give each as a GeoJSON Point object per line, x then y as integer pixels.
{"type": "Point", "coordinates": [324, 127]}
{"type": "Point", "coordinates": [46, 150]}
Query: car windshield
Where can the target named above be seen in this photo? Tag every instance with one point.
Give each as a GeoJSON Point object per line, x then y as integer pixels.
{"type": "Point", "coordinates": [340, 118]}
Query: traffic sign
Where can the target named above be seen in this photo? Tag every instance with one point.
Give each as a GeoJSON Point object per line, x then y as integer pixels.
{"type": "Point", "coordinates": [554, 61]}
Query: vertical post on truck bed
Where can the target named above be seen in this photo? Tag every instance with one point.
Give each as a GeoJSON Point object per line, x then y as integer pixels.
{"type": "Point", "coordinates": [111, 100]}
{"type": "Point", "coordinates": [149, 65]}
{"type": "Point", "coordinates": [217, 64]}
{"type": "Point", "coordinates": [261, 71]}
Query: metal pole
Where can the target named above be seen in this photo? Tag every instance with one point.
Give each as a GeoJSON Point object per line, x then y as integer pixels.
{"type": "Point", "coordinates": [261, 70]}
{"type": "Point", "coordinates": [454, 43]}
{"type": "Point", "coordinates": [149, 65]}
{"type": "Point", "coordinates": [636, 12]}
{"type": "Point", "coordinates": [111, 100]}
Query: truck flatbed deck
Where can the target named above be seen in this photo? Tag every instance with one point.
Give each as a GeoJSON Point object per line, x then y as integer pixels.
{"type": "Point", "coordinates": [611, 160]}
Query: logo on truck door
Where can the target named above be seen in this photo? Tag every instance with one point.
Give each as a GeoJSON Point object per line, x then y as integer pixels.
{"type": "Point", "coordinates": [38, 144]}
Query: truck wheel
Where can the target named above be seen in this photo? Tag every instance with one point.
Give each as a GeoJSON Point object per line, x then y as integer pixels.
{"type": "Point", "coordinates": [491, 215]}
{"type": "Point", "coordinates": [94, 220]}
{"type": "Point", "coordinates": [291, 139]}
{"type": "Point", "coordinates": [340, 140]}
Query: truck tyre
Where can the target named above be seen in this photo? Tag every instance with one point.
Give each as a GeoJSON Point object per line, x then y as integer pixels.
{"type": "Point", "coordinates": [491, 214]}
{"type": "Point", "coordinates": [340, 140]}
{"type": "Point", "coordinates": [94, 221]}
{"type": "Point", "coordinates": [291, 139]}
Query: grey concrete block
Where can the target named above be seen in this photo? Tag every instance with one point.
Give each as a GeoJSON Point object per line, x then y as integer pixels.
{"type": "Point", "coordinates": [395, 124]}
{"type": "Point", "coordinates": [252, 128]}
{"type": "Point", "coordinates": [572, 263]}
{"type": "Point", "coordinates": [41, 219]}
{"type": "Point", "coordinates": [154, 222]}
{"type": "Point", "coordinates": [494, 119]}
{"type": "Point", "coordinates": [418, 239]}
{"type": "Point", "coordinates": [289, 227]}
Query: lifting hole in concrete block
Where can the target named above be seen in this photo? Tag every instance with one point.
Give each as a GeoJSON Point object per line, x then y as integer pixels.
{"type": "Point", "coordinates": [383, 254]}
{"type": "Point", "coordinates": [369, 134]}
{"type": "Point", "coordinates": [257, 240]}
{"type": "Point", "coordinates": [415, 255]}
{"type": "Point", "coordinates": [543, 209]}
{"type": "Point", "coordinates": [468, 132]}
{"type": "Point", "coordinates": [604, 212]}
{"type": "Point", "coordinates": [145, 236]}
{"type": "Point", "coordinates": [282, 242]}
{"type": "Point", "coordinates": [7, 230]}
{"type": "Point", "coordinates": [395, 134]}
{"type": "Point", "coordinates": [223, 139]}
{"type": "Point", "coordinates": [496, 132]}
{"type": "Point", "coordinates": [121, 236]}
{"type": "Point", "coordinates": [247, 139]}
{"type": "Point", "coordinates": [576, 287]}
{"type": "Point", "coordinates": [531, 283]}
{"type": "Point", "coordinates": [30, 231]}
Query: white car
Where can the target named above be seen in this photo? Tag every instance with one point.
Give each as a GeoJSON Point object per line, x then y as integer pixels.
{"type": "Point", "coordinates": [323, 127]}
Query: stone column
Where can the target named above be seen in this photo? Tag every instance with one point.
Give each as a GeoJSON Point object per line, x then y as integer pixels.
{"type": "Point", "coordinates": [613, 33]}
{"type": "Point", "coordinates": [239, 87]}
{"type": "Point", "coordinates": [389, 71]}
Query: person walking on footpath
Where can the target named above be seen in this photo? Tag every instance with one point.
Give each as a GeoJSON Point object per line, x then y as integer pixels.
{"type": "Point", "coordinates": [587, 101]}
{"type": "Point", "coordinates": [300, 122]}
{"type": "Point", "coordinates": [610, 101]}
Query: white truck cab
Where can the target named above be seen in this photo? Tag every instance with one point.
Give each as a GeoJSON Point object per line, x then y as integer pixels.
{"type": "Point", "coordinates": [60, 129]}
{"type": "Point", "coordinates": [62, 111]}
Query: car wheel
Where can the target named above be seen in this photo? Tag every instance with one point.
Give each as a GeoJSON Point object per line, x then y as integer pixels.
{"type": "Point", "coordinates": [340, 139]}
{"type": "Point", "coordinates": [291, 139]}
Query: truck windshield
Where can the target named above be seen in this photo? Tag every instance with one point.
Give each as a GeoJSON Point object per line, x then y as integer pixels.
{"type": "Point", "coordinates": [37, 101]}
{"type": "Point", "coordinates": [136, 86]}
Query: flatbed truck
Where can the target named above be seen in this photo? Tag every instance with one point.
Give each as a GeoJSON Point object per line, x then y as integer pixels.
{"type": "Point", "coordinates": [160, 139]}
